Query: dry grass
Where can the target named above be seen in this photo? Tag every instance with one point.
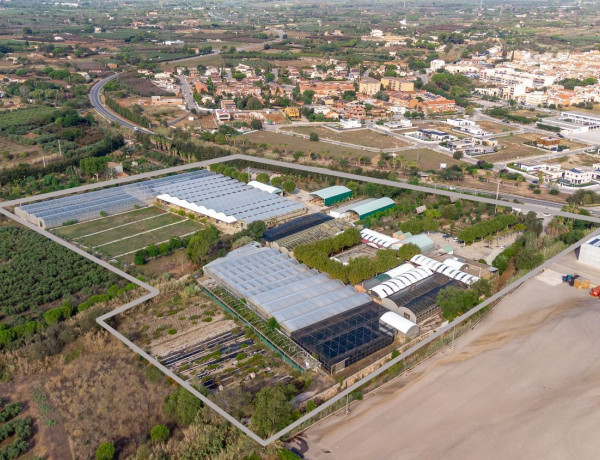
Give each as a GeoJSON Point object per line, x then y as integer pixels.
{"type": "Point", "coordinates": [20, 153]}
{"type": "Point", "coordinates": [296, 144]}
{"type": "Point", "coordinates": [364, 137]}
{"type": "Point", "coordinates": [496, 128]}
{"type": "Point", "coordinates": [104, 395]}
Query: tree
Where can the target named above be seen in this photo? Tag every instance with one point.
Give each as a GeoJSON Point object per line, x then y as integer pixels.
{"type": "Point", "coordinates": [93, 165]}
{"type": "Point", "coordinates": [276, 181]}
{"type": "Point", "coordinates": [262, 177]}
{"type": "Point", "coordinates": [273, 411]}
{"type": "Point", "coordinates": [182, 406]}
{"type": "Point", "coordinates": [159, 434]}
{"type": "Point", "coordinates": [457, 155]}
{"type": "Point", "coordinates": [202, 245]}
{"type": "Point", "coordinates": [105, 451]}
{"type": "Point", "coordinates": [314, 137]}
{"type": "Point", "coordinates": [289, 186]}
{"type": "Point", "coordinates": [408, 251]}
{"type": "Point", "coordinates": [256, 124]}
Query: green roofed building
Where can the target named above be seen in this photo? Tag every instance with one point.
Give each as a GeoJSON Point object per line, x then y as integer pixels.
{"type": "Point", "coordinates": [332, 195]}
{"type": "Point", "coordinates": [363, 208]}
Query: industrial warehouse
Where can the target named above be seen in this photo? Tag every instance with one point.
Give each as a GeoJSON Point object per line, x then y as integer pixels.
{"type": "Point", "coordinates": [221, 198]}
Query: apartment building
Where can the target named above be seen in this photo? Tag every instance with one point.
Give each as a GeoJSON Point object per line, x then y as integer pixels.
{"type": "Point", "coordinates": [369, 86]}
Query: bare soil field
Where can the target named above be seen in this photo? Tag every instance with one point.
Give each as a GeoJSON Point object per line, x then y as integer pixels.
{"type": "Point", "coordinates": [427, 159]}
{"type": "Point", "coordinates": [514, 148]}
{"type": "Point", "coordinates": [295, 144]}
{"type": "Point", "coordinates": [364, 137]}
{"type": "Point", "coordinates": [496, 128]}
{"type": "Point", "coordinates": [521, 384]}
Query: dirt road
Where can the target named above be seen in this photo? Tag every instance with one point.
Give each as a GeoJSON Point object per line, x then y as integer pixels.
{"type": "Point", "coordinates": [525, 383]}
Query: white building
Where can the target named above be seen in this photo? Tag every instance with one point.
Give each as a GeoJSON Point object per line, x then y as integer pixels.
{"type": "Point", "coordinates": [350, 123]}
{"type": "Point", "coordinates": [437, 64]}
{"type": "Point", "coordinates": [589, 253]}
{"type": "Point", "coordinates": [377, 33]}
{"type": "Point", "coordinates": [467, 126]}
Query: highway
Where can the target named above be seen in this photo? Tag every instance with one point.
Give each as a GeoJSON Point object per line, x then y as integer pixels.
{"type": "Point", "coordinates": [107, 114]}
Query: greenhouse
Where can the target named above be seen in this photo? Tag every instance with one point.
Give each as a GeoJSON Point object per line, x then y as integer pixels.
{"type": "Point", "coordinates": [277, 286]}
{"type": "Point", "coordinates": [348, 337]}
{"type": "Point", "coordinates": [90, 205]}
{"type": "Point", "coordinates": [447, 268]}
{"type": "Point", "coordinates": [204, 192]}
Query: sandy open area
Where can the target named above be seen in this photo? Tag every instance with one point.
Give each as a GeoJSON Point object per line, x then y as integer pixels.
{"type": "Point", "coordinates": [524, 383]}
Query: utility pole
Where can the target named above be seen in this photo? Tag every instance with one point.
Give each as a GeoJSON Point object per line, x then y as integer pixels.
{"type": "Point", "coordinates": [347, 411]}
{"type": "Point", "coordinates": [59, 149]}
{"type": "Point", "coordinates": [497, 193]}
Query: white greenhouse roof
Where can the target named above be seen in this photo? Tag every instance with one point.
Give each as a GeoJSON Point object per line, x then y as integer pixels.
{"type": "Point", "coordinates": [399, 323]}
{"type": "Point", "coordinates": [394, 272]}
{"type": "Point", "coordinates": [444, 269]}
{"type": "Point", "coordinates": [227, 199]}
{"type": "Point", "coordinates": [378, 238]}
{"type": "Point", "coordinates": [202, 191]}
{"type": "Point", "coordinates": [264, 187]}
{"type": "Point", "coordinates": [391, 286]}
{"type": "Point", "coordinates": [278, 286]}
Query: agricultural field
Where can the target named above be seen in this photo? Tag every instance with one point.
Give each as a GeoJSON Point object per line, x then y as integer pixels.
{"type": "Point", "coordinates": [364, 137]}
{"type": "Point", "coordinates": [123, 234]}
{"type": "Point", "coordinates": [196, 338]}
{"type": "Point", "coordinates": [496, 128]}
{"type": "Point", "coordinates": [31, 290]}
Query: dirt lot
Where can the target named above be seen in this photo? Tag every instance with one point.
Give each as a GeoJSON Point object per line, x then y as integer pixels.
{"type": "Point", "coordinates": [514, 148]}
{"type": "Point", "coordinates": [364, 137]}
{"type": "Point", "coordinates": [295, 144]}
{"type": "Point", "coordinates": [427, 159]}
{"type": "Point", "coordinates": [522, 384]}
{"type": "Point", "coordinates": [496, 128]}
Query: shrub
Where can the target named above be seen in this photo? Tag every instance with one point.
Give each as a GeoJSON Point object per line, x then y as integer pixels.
{"type": "Point", "coordinates": [105, 451]}
{"type": "Point", "coordinates": [159, 434]}
{"type": "Point", "coordinates": [314, 137]}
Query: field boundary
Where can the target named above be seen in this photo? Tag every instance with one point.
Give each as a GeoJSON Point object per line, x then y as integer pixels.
{"type": "Point", "coordinates": [153, 292]}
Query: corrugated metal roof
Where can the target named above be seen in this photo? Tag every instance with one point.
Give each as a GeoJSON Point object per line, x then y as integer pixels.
{"type": "Point", "coordinates": [330, 192]}
{"type": "Point", "coordinates": [372, 206]}
{"type": "Point", "coordinates": [423, 241]}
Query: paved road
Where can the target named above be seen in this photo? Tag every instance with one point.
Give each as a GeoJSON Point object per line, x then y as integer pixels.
{"type": "Point", "coordinates": [96, 102]}
{"type": "Point", "coordinates": [187, 92]}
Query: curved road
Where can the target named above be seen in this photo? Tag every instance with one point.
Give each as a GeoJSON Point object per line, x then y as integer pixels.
{"type": "Point", "coordinates": [104, 112]}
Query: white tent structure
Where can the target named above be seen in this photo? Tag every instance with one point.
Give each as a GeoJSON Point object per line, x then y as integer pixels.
{"type": "Point", "coordinates": [402, 281]}
{"type": "Point", "coordinates": [406, 327]}
{"type": "Point", "coordinates": [444, 268]}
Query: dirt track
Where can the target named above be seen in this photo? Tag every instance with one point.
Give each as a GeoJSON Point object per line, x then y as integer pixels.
{"type": "Point", "coordinates": [522, 384]}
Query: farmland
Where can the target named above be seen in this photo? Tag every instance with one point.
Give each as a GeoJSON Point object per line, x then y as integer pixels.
{"type": "Point", "coordinates": [38, 275]}
{"type": "Point", "coordinates": [128, 232]}
{"type": "Point", "coordinates": [364, 137]}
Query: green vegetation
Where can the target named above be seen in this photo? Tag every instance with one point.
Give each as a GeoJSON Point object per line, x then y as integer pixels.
{"type": "Point", "coordinates": [482, 229]}
{"type": "Point", "coordinates": [105, 451]}
{"type": "Point", "coordinates": [182, 406]}
{"type": "Point", "coordinates": [125, 112]}
{"type": "Point", "coordinates": [28, 269]}
{"type": "Point", "coordinates": [455, 301]}
{"type": "Point", "coordinates": [501, 112]}
{"type": "Point", "coordinates": [316, 255]}
{"type": "Point", "coordinates": [19, 428]}
{"type": "Point", "coordinates": [159, 434]}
